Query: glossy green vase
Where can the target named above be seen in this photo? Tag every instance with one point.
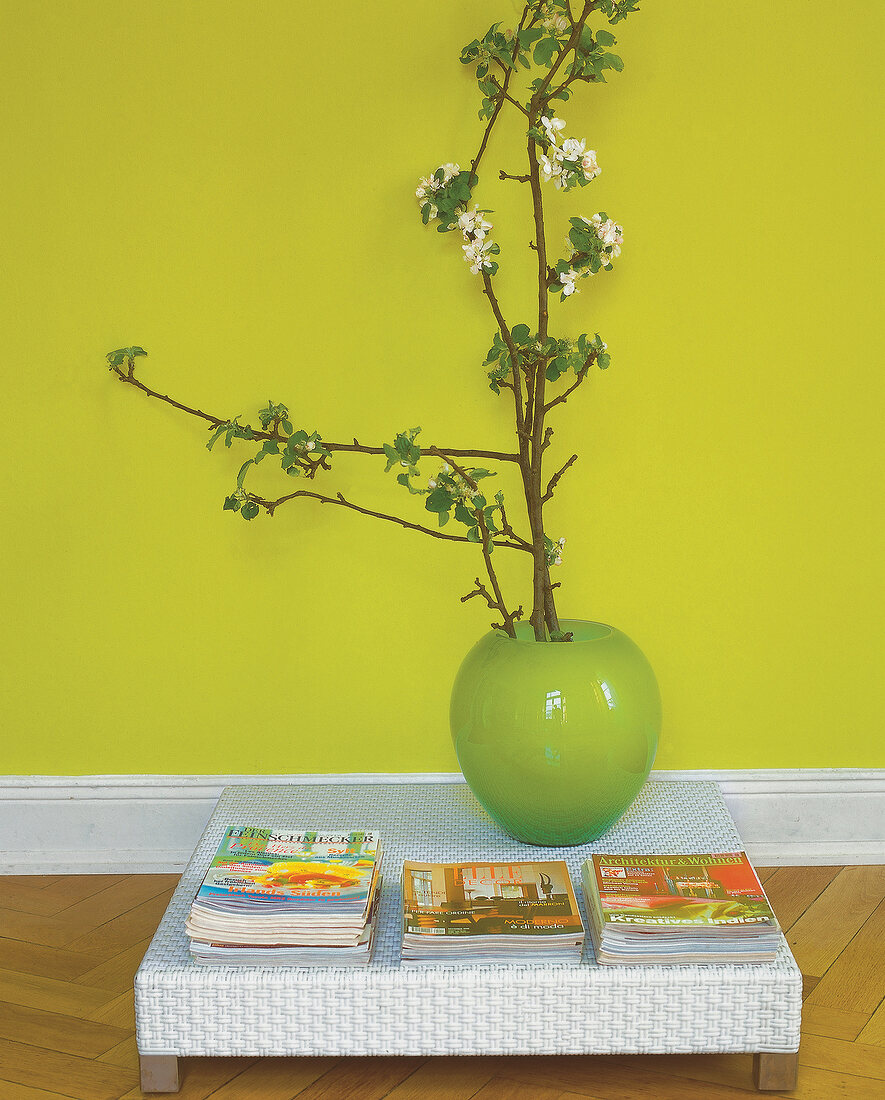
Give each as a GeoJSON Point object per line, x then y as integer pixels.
{"type": "Point", "coordinates": [556, 739]}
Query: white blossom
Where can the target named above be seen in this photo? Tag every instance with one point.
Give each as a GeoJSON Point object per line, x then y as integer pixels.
{"type": "Point", "coordinates": [476, 254]}
{"type": "Point", "coordinates": [567, 278]}
{"type": "Point", "coordinates": [472, 223]}
{"type": "Point", "coordinates": [589, 166]}
{"type": "Point", "coordinates": [573, 148]}
{"type": "Point", "coordinates": [431, 484]}
{"type": "Point", "coordinates": [553, 20]}
{"type": "Point", "coordinates": [550, 168]}
{"type": "Point", "coordinates": [429, 185]}
{"type": "Point", "coordinates": [574, 151]}
{"type": "Point", "coordinates": [552, 126]}
{"type": "Point", "coordinates": [309, 445]}
{"type": "Point", "coordinates": [609, 232]}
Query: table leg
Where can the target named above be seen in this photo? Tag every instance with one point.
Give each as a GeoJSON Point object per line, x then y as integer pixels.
{"type": "Point", "coordinates": [775, 1072]}
{"type": "Point", "coordinates": [159, 1072]}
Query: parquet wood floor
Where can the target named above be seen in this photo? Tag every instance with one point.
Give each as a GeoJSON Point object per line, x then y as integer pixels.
{"type": "Point", "coordinates": [70, 945]}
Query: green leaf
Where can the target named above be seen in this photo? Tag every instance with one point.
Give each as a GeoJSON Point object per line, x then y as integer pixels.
{"type": "Point", "coordinates": [249, 510]}
{"type": "Point", "coordinates": [440, 500]}
{"type": "Point", "coordinates": [544, 51]}
{"type": "Point", "coordinates": [231, 504]}
{"type": "Point", "coordinates": [216, 435]}
{"type": "Point", "coordinates": [464, 515]}
{"type": "Point", "coordinates": [521, 333]}
{"type": "Point", "coordinates": [473, 535]}
{"type": "Point", "coordinates": [242, 474]}
{"type": "Point", "coordinates": [605, 38]}
{"type": "Point", "coordinates": [529, 35]}
{"type": "Point", "coordinates": [443, 518]}
{"type": "Point", "coordinates": [392, 456]}
{"type": "Point", "coordinates": [585, 42]}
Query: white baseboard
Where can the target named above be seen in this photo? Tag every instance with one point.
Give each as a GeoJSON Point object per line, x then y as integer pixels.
{"type": "Point", "coordinates": [150, 823]}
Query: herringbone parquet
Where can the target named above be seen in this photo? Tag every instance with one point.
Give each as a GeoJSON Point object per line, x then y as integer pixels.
{"type": "Point", "coordinates": [70, 945]}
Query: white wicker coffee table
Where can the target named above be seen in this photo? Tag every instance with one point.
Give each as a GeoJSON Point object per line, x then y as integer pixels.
{"type": "Point", "coordinates": [184, 1009]}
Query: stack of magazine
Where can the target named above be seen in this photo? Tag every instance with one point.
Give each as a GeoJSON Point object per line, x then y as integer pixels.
{"type": "Point", "coordinates": [289, 898]}
{"type": "Point", "coordinates": [701, 908]}
{"type": "Point", "coordinates": [479, 912]}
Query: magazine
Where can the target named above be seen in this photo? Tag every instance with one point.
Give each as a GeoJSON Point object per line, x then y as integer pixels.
{"type": "Point", "coordinates": [282, 894]}
{"type": "Point", "coordinates": [700, 907]}
{"type": "Point", "coordinates": [316, 951]}
{"type": "Point", "coordinates": [483, 911]}
{"type": "Point", "coordinates": [324, 871]}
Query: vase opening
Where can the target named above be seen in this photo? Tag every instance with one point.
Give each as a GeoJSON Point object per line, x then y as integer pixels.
{"type": "Point", "coordinates": [583, 631]}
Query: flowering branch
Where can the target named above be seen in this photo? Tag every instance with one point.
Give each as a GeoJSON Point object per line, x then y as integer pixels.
{"type": "Point", "coordinates": [553, 36]}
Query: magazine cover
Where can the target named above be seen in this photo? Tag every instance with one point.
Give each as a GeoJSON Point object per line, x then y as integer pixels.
{"type": "Point", "coordinates": [310, 865]}
{"type": "Point", "coordinates": [673, 891]}
{"type": "Point", "coordinates": [468, 899]}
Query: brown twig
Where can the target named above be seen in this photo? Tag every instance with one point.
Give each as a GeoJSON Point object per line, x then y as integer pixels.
{"type": "Point", "coordinates": [214, 421]}
{"type": "Point", "coordinates": [498, 456]}
{"type": "Point", "coordinates": [502, 90]}
{"type": "Point", "coordinates": [577, 26]}
{"type": "Point", "coordinates": [554, 481]}
{"type": "Point", "coordinates": [514, 358]}
{"type": "Point", "coordinates": [501, 94]}
{"type": "Point", "coordinates": [270, 507]}
{"type": "Point", "coordinates": [509, 616]}
{"type": "Point", "coordinates": [582, 374]}
{"type": "Point", "coordinates": [278, 437]}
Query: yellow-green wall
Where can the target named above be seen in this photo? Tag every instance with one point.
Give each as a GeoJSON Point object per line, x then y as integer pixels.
{"type": "Point", "coordinates": [231, 185]}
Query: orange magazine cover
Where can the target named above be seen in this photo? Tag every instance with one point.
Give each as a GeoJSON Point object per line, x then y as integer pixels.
{"type": "Point", "coordinates": [473, 899]}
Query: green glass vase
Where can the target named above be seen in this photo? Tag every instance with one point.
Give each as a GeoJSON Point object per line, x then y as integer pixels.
{"type": "Point", "coordinates": [556, 739]}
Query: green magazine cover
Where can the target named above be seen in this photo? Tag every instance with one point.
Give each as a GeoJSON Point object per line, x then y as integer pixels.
{"type": "Point", "coordinates": [315, 866]}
